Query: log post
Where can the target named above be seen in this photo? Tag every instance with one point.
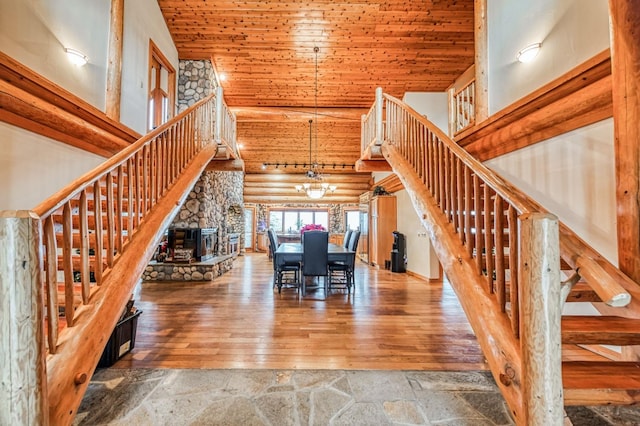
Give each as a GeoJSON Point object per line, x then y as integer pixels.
{"type": "Point", "coordinates": [625, 66]}
{"type": "Point", "coordinates": [23, 377]}
{"type": "Point", "coordinates": [379, 120]}
{"type": "Point", "coordinates": [219, 108]}
{"type": "Point", "coordinates": [114, 68]}
{"type": "Point", "coordinates": [481, 61]}
{"type": "Point", "coordinates": [541, 308]}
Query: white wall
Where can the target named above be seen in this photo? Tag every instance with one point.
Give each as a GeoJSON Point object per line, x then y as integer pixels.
{"type": "Point", "coordinates": [571, 31]}
{"type": "Point", "coordinates": [35, 32]}
{"type": "Point", "coordinates": [571, 175]}
{"type": "Point", "coordinates": [33, 167]}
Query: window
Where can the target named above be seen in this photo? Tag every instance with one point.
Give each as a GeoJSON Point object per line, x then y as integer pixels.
{"type": "Point", "coordinates": [162, 88]}
{"type": "Point", "coordinates": [352, 220]}
{"type": "Point", "coordinates": [292, 220]}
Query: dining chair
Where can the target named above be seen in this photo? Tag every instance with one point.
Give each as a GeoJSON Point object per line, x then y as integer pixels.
{"type": "Point", "coordinates": [343, 272]}
{"type": "Point", "coordinates": [353, 240]}
{"type": "Point", "coordinates": [284, 273]}
{"type": "Point", "coordinates": [347, 236]}
{"type": "Point", "coordinates": [315, 256]}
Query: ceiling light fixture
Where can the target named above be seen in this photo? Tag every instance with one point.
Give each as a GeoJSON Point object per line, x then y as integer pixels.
{"type": "Point", "coordinates": [76, 57]}
{"type": "Point", "coordinates": [529, 53]}
{"type": "Point", "coordinates": [315, 188]}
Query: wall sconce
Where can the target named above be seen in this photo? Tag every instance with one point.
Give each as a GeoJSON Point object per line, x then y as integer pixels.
{"type": "Point", "coordinates": [529, 53]}
{"type": "Point", "coordinates": [76, 57]}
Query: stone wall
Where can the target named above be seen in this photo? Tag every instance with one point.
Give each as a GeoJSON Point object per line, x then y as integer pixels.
{"type": "Point", "coordinates": [196, 80]}
{"type": "Point", "coordinates": [215, 201]}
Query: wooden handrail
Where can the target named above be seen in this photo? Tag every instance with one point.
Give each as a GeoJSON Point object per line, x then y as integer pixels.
{"type": "Point", "coordinates": [605, 284]}
{"type": "Point", "coordinates": [88, 245]}
{"type": "Point", "coordinates": [486, 214]}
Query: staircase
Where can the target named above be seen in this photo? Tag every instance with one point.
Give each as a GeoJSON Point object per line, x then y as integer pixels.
{"type": "Point", "coordinates": [97, 236]}
{"type": "Point", "coordinates": [514, 267]}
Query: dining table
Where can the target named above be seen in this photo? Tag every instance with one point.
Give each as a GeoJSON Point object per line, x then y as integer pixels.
{"type": "Point", "coordinates": [292, 252]}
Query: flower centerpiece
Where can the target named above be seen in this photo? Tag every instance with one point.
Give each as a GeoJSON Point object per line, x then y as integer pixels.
{"type": "Point", "coordinates": [311, 227]}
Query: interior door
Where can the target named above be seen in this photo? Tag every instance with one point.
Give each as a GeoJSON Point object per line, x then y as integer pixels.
{"type": "Point", "coordinates": [249, 229]}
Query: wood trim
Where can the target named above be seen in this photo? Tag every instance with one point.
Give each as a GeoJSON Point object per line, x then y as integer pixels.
{"type": "Point", "coordinates": [225, 166]}
{"type": "Point", "coordinates": [576, 99]}
{"type": "Point", "coordinates": [156, 53]}
{"type": "Point", "coordinates": [19, 76]}
{"type": "Point", "coordinates": [380, 165]}
{"type": "Point", "coordinates": [34, 114]}
{"type": "Point", "coordinates": [391, 183]}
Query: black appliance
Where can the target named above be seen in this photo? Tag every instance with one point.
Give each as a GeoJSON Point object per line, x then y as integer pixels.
{"type": "Point", "coordinates": [399, 253]}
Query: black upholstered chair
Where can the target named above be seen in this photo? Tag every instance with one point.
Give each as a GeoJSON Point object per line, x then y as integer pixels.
{"type": "Point", "coordinates": [347, 236]}
{"type": "Point", "coordinates": [315, 256]}
{"type": "Point", "coordinates": [284, 273]}
{"type": "Point", "coordinates": [341, 273]}
{"type": "Point", "coordinates": [353, 240]}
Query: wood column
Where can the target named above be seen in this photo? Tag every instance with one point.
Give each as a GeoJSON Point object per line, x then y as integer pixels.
{"type": "Point", "coordinates": [23, 377]}
{"type": "Point", "coordinates": [541, 308]}
{"type": "Point", "coordinates": [481, 60]}
{"type": "Point", "coordinates": [114, 67]}
{"type": "Point", "coordinates": [625, 59]}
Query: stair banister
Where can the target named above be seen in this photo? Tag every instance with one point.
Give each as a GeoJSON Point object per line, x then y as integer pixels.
{"type": "Point", "coordinates": [453, 193]}
{"type": "Point", "coordinates": [143, 186]}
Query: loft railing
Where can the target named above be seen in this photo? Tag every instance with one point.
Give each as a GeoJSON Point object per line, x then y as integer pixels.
{"type": "Point", "coordinates": [502, 252]}
{"type": "Point", "coordinates": [463, 107]}
{"type": "Point", "coordinates": [81, 248]}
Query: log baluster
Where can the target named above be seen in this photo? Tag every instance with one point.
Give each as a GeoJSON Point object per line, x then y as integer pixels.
{"type": "Point", "coordinates": [67, 263]}
{"type": "Point", "coordinates": [512, 218]}
{"type": "Point", "coordinates": [98, 250]}
{"type": "Point", "coordinates": [84, 247]}
{"type": "Point", "coordinates": [498, 230]}
{"type": "Point", "coordinates": [51, 283]}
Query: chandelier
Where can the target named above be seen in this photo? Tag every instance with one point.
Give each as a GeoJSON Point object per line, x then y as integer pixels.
{"type": "Point", "coordinates": [315, 188]}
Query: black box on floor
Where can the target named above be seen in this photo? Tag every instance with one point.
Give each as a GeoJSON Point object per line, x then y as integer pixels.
{"type": "Point", "coordinates": [122, 340]}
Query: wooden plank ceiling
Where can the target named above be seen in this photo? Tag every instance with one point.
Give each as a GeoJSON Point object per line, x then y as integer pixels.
{"type": "Point", "coordinates": [265, 49]}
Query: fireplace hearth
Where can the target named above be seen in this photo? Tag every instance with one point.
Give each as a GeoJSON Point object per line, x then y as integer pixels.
{"type": "Point", "coordinates": [192, 244]}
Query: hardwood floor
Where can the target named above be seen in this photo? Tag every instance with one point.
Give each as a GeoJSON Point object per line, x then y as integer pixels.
{"type": "Point", "coordinates": [392, 322]}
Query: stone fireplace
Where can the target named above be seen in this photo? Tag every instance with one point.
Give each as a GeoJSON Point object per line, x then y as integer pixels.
{"type": "Point", "coordinates": [214, 203]}
{"type": "Point", "coordinates": [201, 242]}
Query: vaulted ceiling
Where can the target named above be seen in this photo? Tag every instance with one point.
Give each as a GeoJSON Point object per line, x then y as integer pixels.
{"type": "Point", "coordinates": [265, 49]}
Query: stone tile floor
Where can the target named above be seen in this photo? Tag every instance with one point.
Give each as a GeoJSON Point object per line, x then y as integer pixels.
{"type": "Point", "coordinates": [308, 397]}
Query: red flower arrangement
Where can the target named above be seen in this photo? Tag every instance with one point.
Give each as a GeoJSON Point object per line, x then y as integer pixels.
{"type": "Point", "coordinates": [311, 227]}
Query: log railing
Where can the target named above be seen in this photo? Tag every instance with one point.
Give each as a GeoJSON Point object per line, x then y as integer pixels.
{"type": "Point", "coordinates": [496, 246]}
{"type": "Point", "coordinates": [88, 224]}
{"type": "Point", "coordinates": [463, 107]}
{"type": "Point", "coordinates": [85, 248]}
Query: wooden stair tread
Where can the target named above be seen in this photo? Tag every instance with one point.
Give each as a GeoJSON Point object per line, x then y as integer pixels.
{"type": "Point", "coordinates": [600, 330]}
{"type": "Point", "coordinates": [601, 383]}
{"type": "Point", "coordinates": [601, 375]}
